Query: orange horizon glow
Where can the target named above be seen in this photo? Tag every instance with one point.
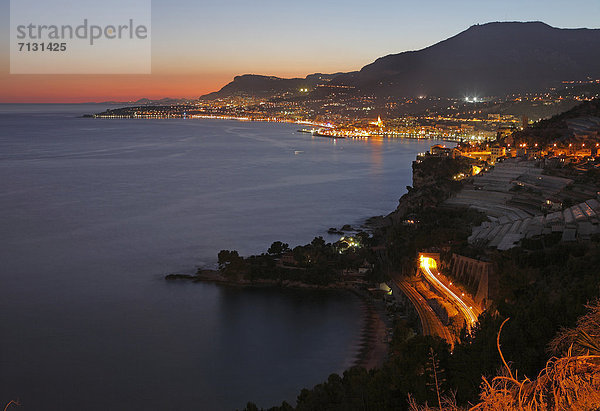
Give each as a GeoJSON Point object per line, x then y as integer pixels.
{"type": "Point", "coordinates": [198, 47]}
{"type": "Point", "coordinates": [68, 88]}
{"type": "Point", "coordinates": [100, 88]}
{"type": "Point", "coordinates": [166, 81]}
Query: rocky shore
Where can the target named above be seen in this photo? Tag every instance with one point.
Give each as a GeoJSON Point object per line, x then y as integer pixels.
{"type": "Point", "coordinates": [215, 277]}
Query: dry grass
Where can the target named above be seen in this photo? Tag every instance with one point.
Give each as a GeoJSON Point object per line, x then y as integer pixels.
{"type": "Point", "coordinates": [583, 339]}
{"type": "Point", "coordinates": [568, 383]}
{"type": "Point", "coordinates": [448, 403]}
{"type": "Point", "coordinates": [570, 380]}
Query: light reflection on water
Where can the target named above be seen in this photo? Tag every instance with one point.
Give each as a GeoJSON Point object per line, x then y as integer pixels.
{"type": "Point", "coordinates": [95, 212]}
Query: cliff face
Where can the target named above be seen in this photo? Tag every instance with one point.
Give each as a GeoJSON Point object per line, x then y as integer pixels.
{"type": "Point", "coordinates": [432, 184]}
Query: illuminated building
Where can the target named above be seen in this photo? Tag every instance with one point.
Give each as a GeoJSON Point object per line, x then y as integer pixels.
{"type": "Point", "coordinates": [496, 152]}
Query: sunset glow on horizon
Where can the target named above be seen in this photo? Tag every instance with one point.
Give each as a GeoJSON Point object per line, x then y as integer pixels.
{"type": "Point", "coordinates": [100, 88]}
{"type": "Point", "coordinates": [197, 48]}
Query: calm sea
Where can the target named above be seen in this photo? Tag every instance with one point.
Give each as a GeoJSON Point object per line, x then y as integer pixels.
{"type": "Point", "coordinates": [93, 214]}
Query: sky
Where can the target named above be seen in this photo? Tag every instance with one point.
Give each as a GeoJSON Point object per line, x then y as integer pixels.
{"type": "Point", "coordinates": [199, 46]}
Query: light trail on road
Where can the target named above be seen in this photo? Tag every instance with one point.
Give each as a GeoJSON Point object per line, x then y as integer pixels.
{"type": "Point", "coordinates": [430, 323]}
{"type": "Point", "coordinates": [427, 264]}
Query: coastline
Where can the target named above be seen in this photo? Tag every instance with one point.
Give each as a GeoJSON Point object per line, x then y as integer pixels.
{"type": "Point", "coordinates": [181, 294]}
{"type": "Point", "coordinates": [214, 277]}
{"type": "Point", "coordinates": [374, 345]}
{"type": "Point", "coordinates": [272, 120]}
{"type": "Point", "coordinates": [374, 338]}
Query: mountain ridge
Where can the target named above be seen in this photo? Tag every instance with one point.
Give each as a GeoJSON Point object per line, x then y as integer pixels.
{"type": "Point", "coordinates": [489, 59]}
{"type": "Point", "coordinates": [496, 58]}
{"type": "Point", "coordinates": [263, 85]}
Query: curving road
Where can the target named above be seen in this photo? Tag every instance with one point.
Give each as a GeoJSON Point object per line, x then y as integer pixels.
{"type": "Point", "coordinates": [428, 267]}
